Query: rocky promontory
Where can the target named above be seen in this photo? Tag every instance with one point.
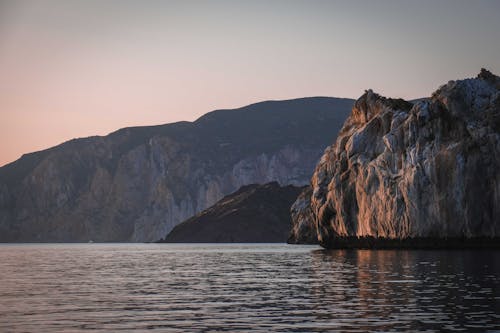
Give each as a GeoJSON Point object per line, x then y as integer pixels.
{"type": "Point", "coordinates": [400, 171]}
{"type": "Point", "coordinates": [253, 214]}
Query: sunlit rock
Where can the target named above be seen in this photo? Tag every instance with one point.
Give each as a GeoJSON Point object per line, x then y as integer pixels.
{"type": "Point", "coordinates": [400, 170]}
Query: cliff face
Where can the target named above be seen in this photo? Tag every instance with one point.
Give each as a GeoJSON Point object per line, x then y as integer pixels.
{"type": "Point", "coordinates": [136, 184]}
{"type": "Point", "coordinates": [400, 170]}
{"type": "Point", "coordinates": [253, 214]}
{"type": "Point", "coordinates": [303, 226]}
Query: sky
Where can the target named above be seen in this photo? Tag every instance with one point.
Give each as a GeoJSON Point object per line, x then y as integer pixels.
{"type": "Point", "coordinates": [73, 68]}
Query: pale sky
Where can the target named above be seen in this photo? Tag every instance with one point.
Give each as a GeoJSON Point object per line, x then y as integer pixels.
{"type": "Point", "coordinates": [78, 68]}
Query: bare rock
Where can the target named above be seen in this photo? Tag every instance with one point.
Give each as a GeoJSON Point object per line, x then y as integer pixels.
{"type": "Point", "coordinates": [303, 226]}
{"type": "Point", "coordinates": [426, 170]}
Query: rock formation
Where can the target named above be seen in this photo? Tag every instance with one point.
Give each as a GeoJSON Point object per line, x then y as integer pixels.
{"type": "Point", "coordinates": [303, 227]}
{"type": "Point", "coordinates": [253, 214]}
{"type": "Point", "coordinates": [406, 171]}
{"type": "Point", "coordinates": [137, 183]}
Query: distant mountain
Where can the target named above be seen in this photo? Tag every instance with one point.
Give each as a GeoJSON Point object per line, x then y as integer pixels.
{"type": "Point", "coordinates": [253, 214]}
{"type": "Point", "coordinates": [411, 174]}
{"type": "Point", "coordinates": [137, 183]}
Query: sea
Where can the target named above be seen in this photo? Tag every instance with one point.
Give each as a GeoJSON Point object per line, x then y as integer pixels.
{"type": "Point", "coordinates": [245, 288]}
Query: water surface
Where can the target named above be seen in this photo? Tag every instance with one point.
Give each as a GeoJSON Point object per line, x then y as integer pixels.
{"type": "Point", "coordinates": [245, 287]}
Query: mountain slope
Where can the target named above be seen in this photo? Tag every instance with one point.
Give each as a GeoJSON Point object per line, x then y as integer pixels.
{"type": "Point", "coordinates": [398, 170]}
{"type": "Point", "coordinates": [137, 183]}
{"type": "Point", "coordinates": [253, 214]}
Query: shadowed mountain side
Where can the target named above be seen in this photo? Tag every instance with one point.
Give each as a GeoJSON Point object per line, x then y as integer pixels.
{"type": "Point", "coordinates": [137, 183]}
{"type": "Point", "coordinates": [253, 214]}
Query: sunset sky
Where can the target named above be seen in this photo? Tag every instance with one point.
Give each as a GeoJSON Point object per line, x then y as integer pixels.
{"type": "Point", "coordinates": [79, 68]}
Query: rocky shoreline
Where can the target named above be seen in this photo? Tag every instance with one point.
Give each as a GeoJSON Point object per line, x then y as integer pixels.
{"type": "Point", "coordinates": [411, 175]}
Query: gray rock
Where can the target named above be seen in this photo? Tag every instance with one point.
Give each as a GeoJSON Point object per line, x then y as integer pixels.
{"type": "Point", "coordinates": [399, 170]}
{"type": "Point", "coordinates": [303, 226]}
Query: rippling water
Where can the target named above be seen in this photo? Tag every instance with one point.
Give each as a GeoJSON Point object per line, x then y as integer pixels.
{"type": "Point", "coordinates": [264, 287]}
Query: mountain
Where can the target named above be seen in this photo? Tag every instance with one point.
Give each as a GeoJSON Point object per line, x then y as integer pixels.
{"type": "Point", "coordinates": [137, 183]}
{"type": "Point", "coordinates": [253, 214]}
{"type": "Point", "coordinates": [421, 172]}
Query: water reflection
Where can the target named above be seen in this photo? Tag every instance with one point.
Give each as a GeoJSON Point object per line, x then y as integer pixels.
{"type": "Point", "coordinates": [417, 290]}
{"type": "Point", "coordinates": [262, 288]}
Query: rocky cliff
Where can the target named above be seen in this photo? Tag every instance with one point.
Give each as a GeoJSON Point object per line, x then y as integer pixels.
{"type": "Point", "coordinates": [303, 226]}
{"type": "Point", "coordinates": [137, 183]}
{"type": "Point", "coordinates": [401, 170]}
{"type": "Point", "coordinates": [253, 214]}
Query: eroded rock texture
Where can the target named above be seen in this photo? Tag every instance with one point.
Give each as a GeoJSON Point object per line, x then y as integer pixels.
{"type": "Point", "coordinates": [303, 225]}
{"type": "Point", "coordinates": [136, 184]}
{"type": "Point", "coordinates": [400, 170]}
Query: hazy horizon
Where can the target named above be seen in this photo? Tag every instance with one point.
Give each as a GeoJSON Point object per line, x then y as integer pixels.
{"type": "Point", "coordinates": [82, 68]}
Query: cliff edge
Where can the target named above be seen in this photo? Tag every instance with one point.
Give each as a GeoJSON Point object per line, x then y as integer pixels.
{"type": "Point", "coordinates": [401, 170]}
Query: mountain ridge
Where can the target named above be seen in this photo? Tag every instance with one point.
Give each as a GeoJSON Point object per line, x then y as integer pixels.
{"type": "Point", "coordinates": [136, 183]}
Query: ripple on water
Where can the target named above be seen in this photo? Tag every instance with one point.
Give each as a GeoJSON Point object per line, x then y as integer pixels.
{"type": "Point", "coordinates": [242, 287]}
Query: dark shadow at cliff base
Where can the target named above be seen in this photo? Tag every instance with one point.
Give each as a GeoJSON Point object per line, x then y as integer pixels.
{"type": "Point", "coordinates": [412, 243]}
